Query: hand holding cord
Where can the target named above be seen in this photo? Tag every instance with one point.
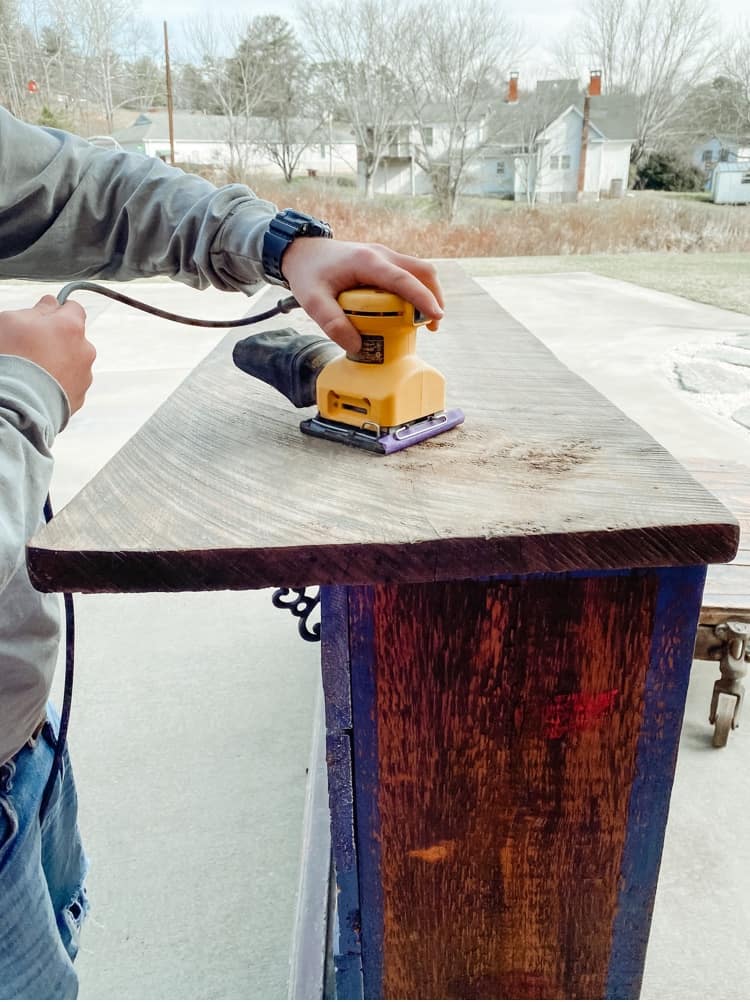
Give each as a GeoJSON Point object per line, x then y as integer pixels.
{"type": "Point", "coordinates": [285, 305]}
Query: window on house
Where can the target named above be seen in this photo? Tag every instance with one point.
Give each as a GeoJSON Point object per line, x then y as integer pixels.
{"type": "Point", "coordinates": [746, 178]}
{"type": "Point", "coordinates": [427, 134]}
{"type": "Point", "coordinates": [323, 150]}
{"type": "Point", "coordinates": [565, 162]}
{"type": "Point", "coordinates": [554, 162]}
{"type": "Point", "coordinates": [723, 155]}
{"type": "Point", "coordinates": [707, 157]}
{"type": "Point", "coordinates": [500, 169]}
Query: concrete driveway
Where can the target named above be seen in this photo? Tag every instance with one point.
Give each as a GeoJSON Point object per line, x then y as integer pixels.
{"type": "Point", "coordinates": [193, 713]}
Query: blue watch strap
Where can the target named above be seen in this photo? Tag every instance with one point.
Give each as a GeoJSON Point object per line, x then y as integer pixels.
{"type": "Point", "coordinates": [285, 227]}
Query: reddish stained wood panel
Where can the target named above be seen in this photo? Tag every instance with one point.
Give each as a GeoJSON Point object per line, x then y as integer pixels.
{"type": "Point", "coordinates": [500, 840]}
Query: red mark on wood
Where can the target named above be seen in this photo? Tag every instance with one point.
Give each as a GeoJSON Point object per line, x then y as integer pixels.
{"type": "Point", "coordinates": [576, 711]}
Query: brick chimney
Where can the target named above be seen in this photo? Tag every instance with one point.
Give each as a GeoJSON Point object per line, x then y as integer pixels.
{"type": "Point", "coordinates": [595, 83]}
{"type": "Point", "coordinates": [512, 97]}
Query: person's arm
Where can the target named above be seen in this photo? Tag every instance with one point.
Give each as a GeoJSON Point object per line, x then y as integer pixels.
{"type": "Point", "coordinates": [71, 210]}
{"type": "Point", "coordinates": [45, 370]}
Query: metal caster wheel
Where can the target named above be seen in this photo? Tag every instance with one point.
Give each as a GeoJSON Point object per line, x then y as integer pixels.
{"type": "Point", "coordinates": [726, 701]}
{"type": "Point", "coordinates": [723, 720]}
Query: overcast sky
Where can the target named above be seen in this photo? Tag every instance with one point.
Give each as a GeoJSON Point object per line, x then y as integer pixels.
{"type": "Point", "coordinates": [544, 19]}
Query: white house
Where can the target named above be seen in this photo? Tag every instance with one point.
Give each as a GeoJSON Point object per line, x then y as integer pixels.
{"type": "Point", "coordinates": [540, 145]}
{"type": "Point", "coordinates": [529, 147]}
{"type": "Point", "coordinates": [398, 172]}
{"type": "Point", "coordinates": [204, 140]}
{"type": "Point", "coordinates": [720, 149]}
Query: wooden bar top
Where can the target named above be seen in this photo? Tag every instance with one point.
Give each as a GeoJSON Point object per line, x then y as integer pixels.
{"type": "Point", "coordinates": [219, 489]}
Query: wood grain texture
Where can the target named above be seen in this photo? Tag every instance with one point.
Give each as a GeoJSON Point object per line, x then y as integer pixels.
{"type": "Point", "coordinates": [497, 734]}
{"type": "Point", "coordinates": [219, 489]}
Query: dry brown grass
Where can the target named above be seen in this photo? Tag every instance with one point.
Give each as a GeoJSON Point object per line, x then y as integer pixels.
{"type": "Point", "coordinates": [490, 228]}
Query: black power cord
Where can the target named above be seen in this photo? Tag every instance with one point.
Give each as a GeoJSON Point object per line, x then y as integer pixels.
{"type": "Point", "coordinates": [282, 306]}
{"type": "Point", "coordinates": [62, 733]}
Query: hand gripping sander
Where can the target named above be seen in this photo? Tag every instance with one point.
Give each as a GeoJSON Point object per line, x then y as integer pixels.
{"type": "Point", "coordinates": [383, 399]}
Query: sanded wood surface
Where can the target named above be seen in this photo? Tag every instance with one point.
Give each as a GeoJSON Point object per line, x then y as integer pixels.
{"type": "Point", "coordinates": [219, 489]}
{"type": "Point", "coordinates": [727, 587]}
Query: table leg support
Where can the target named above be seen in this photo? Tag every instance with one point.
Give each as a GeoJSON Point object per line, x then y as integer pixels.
{"type": "Point", "coordinates": [501, 757]}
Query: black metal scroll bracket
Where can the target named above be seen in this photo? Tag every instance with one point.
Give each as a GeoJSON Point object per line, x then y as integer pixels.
{"type": "Point", "coordinates": [301, 606]}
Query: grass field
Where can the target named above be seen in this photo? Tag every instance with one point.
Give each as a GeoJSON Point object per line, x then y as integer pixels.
{"type": "Point", "coordinates": [681, 243]}
{"type": "Point", "coordinates": [642, 222]}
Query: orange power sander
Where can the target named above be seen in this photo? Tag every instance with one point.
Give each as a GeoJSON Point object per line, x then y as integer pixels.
{"type": "Point", "coordinates": [383, 399]}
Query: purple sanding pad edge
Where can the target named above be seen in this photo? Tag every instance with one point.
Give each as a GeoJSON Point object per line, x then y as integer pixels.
{"type": "Point", "coordinates": [421, 431]}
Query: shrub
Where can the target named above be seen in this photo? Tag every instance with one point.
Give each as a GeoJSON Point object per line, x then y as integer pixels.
{"type": "Point", "coordinates": [669, 172]}
{"type": "Point", "coordinates": [52, 120]}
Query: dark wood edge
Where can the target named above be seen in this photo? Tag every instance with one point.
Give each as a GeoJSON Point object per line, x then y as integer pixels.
{"type": "Point", "coordinates": [712, 615]}
{"type": "Point", "coordinates": [356, 564]}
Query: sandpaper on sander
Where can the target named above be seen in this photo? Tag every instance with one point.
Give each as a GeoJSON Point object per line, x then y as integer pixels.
{"type": "Point", "coordinates": [383, 399]}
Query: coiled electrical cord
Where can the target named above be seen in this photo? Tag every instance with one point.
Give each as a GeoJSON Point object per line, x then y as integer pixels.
{"type": "Point", "coordinates": [282, 306]}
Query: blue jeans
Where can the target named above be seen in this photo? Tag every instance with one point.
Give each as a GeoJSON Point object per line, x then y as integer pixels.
{"type": "Point", "coordinates": [42, 871]}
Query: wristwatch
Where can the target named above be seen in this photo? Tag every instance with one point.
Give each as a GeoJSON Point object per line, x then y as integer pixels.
{"type": "Point", "coordinates": [285, 227]}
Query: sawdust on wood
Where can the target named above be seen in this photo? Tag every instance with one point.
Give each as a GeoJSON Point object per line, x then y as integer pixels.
{"type": "Point", "coordinates": [473, 452]}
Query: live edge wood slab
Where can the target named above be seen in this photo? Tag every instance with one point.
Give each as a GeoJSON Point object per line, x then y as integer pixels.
{"type": "Point", "coordinates": [508, 622]}
{"type": "Point", "coordinates": [220, 490]}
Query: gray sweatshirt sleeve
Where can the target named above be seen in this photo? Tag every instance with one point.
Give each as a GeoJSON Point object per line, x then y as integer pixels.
{"type": "Point", "coordinates": [71, 210]}
{"type": "Point", "coordinates": [33, 408]}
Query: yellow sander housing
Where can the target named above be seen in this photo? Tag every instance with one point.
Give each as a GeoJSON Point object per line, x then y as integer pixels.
{"type": "Point", "coordinates": [383, 398]}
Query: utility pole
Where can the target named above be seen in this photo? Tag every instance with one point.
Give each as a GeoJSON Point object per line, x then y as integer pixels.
{"type": "Point", "coordinates": [170, 108]}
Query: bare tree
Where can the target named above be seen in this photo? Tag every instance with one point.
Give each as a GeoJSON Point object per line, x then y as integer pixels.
{"type": "Point", "coordinates": [16, 58]}
{"type": "Point", "coordinates": [656, 50]}
{"type": "Point", "coordinates": [534, 149]}
{"type": "Point", "coordinates": [100, 31]}
{"type": "Point", "coordinates": [288, 142]}
{"type": "Point", "coordinates": [355, 43]}
{"type": "Point", "coordinates": [292, 116]}
{"type": "Point", "coordinates": [237, 84]}
{"type": "Point", "coordinates": [452, 60]}
{"type": "Point", "coordinates": [736, 70]}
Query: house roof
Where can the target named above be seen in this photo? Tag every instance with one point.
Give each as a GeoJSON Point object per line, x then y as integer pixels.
{"type": "Point", "coordinates": [726, 141]}
{"type": "Point", "coordinates": [195, 127]}
{"type": "Point", "coordinates": [614, 116]}
{"type": "Point", "coordinates": [733, 166]}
